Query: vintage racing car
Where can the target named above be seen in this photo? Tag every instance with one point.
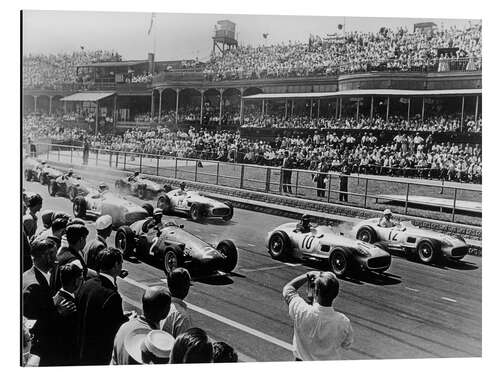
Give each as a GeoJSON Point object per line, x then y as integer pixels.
{"type": "Point", "coordinates": [39, 171]}
{"type": "Point", "coordinates": [344, 255]}
{"type": "Point", "coordinates": [31, 168]}
{"type": "Point", "coordinates": [414, 242]}
{"type": "Point", "coordinates": [194, 204]}
{"type": "Point", "coordinates": [174, 247]}
{"type": "Point", "coordinates": [122, 211]}
{"type": "Point", "coordinates": [141, 187]}
{"type": "Point", "coordinates": [68, 186]}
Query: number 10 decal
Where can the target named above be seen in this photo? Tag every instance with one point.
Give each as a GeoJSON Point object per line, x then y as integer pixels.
{"type": "Point", "coordinates": [307, 242]}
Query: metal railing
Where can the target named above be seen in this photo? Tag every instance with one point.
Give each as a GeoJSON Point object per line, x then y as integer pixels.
{"type": "Point", "coordinates": [445, 201]}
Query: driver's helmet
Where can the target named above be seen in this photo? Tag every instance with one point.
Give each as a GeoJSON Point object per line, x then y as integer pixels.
{"type": "Point", "coordinates": [182, 185]}
{"type": "Point", "coordinates": [306, 219]}
{"type": "Point", "coordinates": [70, 172]}
{"type": "Point", "coordinates": [387, 212]}
{"type": "Point", "coordinates": [136, 174]}
{"type": "Point", "coordinates": [103, 187]}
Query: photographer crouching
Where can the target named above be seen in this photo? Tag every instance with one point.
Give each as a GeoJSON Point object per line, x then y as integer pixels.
{"type": "Point", "coordinates": [319, 332]}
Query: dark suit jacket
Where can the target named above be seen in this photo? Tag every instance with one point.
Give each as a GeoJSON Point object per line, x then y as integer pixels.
{"type": "Point", "coordinates": [100, 314]}
{"type": "Point", "coordinates": [38, 305]}
{"type": "Point", "coordinates": [66, 329]}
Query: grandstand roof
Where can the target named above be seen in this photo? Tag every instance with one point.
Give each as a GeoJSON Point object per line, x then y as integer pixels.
{"type": "Point", "coordinates": [92, 96]}
{"type": "Point", "coordinates": [353, 93]}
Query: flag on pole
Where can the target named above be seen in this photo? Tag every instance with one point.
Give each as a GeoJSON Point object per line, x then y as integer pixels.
{"type": "Point", "coordinates": [151, 23]}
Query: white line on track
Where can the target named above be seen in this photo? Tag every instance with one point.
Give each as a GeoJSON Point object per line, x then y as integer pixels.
{"type": "Point", "coordinates": [448, 299]}
{"type": "Point", "coordinates": [222, 319]}
{"type": "Point", "coordinates": [242, 357]}
{"type": "Point", "coordinates": [413, 290]}
{"type": "Point", "coordinates": [262, 268]}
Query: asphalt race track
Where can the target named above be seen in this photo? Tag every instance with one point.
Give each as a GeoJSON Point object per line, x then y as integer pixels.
{"type": "Point", "coordinates": [413, 311]}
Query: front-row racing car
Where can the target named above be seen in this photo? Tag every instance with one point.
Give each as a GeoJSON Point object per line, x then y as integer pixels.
{"type": "Point", "coordinates": [344, 255]}
{"type": "Point", "coordinates": [412, 241]}
{"type": "Point", "coordinates": [139, 186]}
{"type": "Point", "coordinates": [194, 204]}
{"type": "Point", "coordinates": [174, 247]}
{"type": "Point", "coordinates": [35, 170]}
{"type": "Point", "coordinates": [103, 202]}
{"type": "Point", "coordinates": [68, 185]}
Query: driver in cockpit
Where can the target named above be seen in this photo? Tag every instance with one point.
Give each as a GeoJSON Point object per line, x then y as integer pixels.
{"type": "Point", "coordinates": [182, 189]}
{"type": "Point", "coordinates": [386, 220]}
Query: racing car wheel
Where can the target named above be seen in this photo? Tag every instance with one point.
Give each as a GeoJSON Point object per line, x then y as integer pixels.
{"type": "Point", "coordinates": [340, 262]}
{"type": "Point", "coordinates": [228, 249]}
{"type": "Point", "coordinates": [195, 212]}
{"type": "Point", "coordinates": [172, 259]}
{"type": "Point", "coordinates": [279, 245]}
{"type": "Point", "coordinates": [366, 234]}
{"type": "Point", "coordinates": [229, 216]}
{"type": "Point", "coordinates": [427, 252]}
{"type": "Point", "coordinates": [52, 188]}
{"type": "Point", "coordinates": [125, 240]}
{"type": "Point", "coordinates": [80, 207]}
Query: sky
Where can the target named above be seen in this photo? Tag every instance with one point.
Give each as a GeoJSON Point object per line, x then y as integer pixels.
{"type": "Point", "coordinates": [181, 36]}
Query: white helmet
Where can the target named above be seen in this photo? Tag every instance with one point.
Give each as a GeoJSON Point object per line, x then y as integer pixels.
{"type": "Point", "coordinates": [387, 212]}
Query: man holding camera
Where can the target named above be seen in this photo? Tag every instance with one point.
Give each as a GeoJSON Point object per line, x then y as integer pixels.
{"type": "Point", "coordinates": [319, 332]}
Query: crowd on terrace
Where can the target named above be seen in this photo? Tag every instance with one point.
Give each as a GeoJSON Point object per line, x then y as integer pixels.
{"type": "Point", "coordinates": [408, 153]}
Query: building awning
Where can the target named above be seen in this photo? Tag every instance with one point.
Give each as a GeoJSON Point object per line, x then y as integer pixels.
{"type": "Point", "coordinates": [357, 93]}
{"type": "Point", "coordinates": [88, 96]}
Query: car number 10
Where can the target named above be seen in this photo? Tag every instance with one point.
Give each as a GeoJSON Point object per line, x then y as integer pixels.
{"type": "Point", "coordinates": [307, 242]}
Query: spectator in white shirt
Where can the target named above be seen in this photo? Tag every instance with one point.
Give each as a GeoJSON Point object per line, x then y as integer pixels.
{"type": "Point", "coordinates": [178, 319]}
{"type": "Point", "coordinates": [320, 332]}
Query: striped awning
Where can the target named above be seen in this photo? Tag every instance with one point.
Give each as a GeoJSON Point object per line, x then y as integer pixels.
{"type": "Point", "coordinates": [88, 96]}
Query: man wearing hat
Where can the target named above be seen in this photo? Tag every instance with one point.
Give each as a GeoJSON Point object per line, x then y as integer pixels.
{"type": "Point", "coordinates": [30, 220]}
{"type": "Point", "coordinates": [148, 347]}
{"type": "Point", "coordinates": [103, 227]}
{"type": "Point", "coordinates": [59, 221]}
{"type": "Point", "coordinates": [386, 220]}
{"type": "Point", "coordinates": [156, 302]}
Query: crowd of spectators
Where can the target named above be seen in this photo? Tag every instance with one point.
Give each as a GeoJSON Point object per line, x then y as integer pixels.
{"type": "Point", "coordinates": [391, 50]}
{"type": "Point", "coordinates": [48, 71]}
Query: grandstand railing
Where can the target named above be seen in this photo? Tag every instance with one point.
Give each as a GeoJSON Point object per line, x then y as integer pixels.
{"type": "Point", "coordinates": [362, 191]}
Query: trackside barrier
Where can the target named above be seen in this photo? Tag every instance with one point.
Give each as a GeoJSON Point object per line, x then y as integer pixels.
{"type": "Point", "coordinates": [350, 190]}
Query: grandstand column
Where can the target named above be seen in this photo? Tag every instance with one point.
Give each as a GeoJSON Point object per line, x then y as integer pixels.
{"type": "Point", "coordinates": [311, 110]}
{"type": "Point", "coordinates": [241, 105]}
{"type": "Point", "coordinates": [409, 104]}
{"type": "Point", "coordinates": [387, 112]}
{"type": "Point", "coordinates": [286, 109]}
{"type": "Point", "coordinates": [319, 102]}
{"type": "Point", "coordinates": [357, 109]}
{"type": "Point", "coordinates": [50, 104]}
{"type": "Point", "coordinates": [159, 105]}
{"type": "Point", "coordinates": [221, 91]}
{"type": "Point", "coordinates": [423, 109]}
{"type": "Point", "coordinates": [477, 107]}
{"type": "Point", "coordinates": [293, 106]}
{"type": "Point", "coordinates": [96, 116]}
{"type": "Point", "coordinates": [337, 108]}
{"type": "Point", "coordinates": [262, 111]}
{"type": "Point", "coordinates": [201, 106]}
{"type": "Point", "coordinates": [177, 106]}
{"type": "Point", "coordinates": [340, 108]}
{"type": "Point", "coordinates": [35, 101]}
{"type": "Point", "coordinates": [462, 114]}
{"type": "Point", "coordinates": [152, 103]}
{"type": "Point", "coordinates": [371, 109]}
{"type": "Point", "coordinates": [114, 111]}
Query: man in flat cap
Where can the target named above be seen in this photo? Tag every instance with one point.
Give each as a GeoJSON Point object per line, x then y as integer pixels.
{"type": "Point", "coordinates": [104, 227]}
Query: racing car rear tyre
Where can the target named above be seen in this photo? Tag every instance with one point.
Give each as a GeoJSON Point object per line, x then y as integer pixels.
{"type": "Point", "coordinates": [28, 175]}
{"type": "Point", "coordinates": [195, 212]}
{"type": "Point", "coordinates": [366, 234]}
{"type": "Point", "coordinates": [72, 194]}
{"type": "Point", "coordinates": [164, 204]}
{"type": "Point", "coordinates": [52, 188]}
{"type": "Point", "coordinates": [125, 240]}
{"type": "Point", "coordinates": [172, 259]}
{"type": "Point", "coordinates": [149, 208]}
{"type": "Point", "coordinates": [426, 252]}
{"type": "Point", "coordinates": [340, 262]}
{"type": "Point", "coordinates": [80, 207]}
{"type": "Point", "coordinates": [228, 249]}
{"type": "Point", "coordinates": [279, 245]}
{"type": "Point", "coordinates": [231, 212]}
{"type": "Point", "coordinates": [44, 179]}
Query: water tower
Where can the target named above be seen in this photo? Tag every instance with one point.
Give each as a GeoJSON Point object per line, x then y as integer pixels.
{"type": "Point", "coordinates": [224, 36]}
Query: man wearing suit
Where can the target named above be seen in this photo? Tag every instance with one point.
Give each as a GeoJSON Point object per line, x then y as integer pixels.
{"type": "Point", "coordinates": [66, 334]}
{"type": "Point", "coordinates": [37, 300]}
{"type": "Point", "coordinates": [100, 312]}
{"type": "Point", "coordinates": [287, 173]}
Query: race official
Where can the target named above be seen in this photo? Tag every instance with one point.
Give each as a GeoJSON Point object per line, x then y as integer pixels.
{"type": "Point", "coordinates": [103, 227]}
{"type": "Point", "coordinates": [64, 331]}
{"type": "Point", "coordinates": [30, 220]}
{"type": "Point", "coordinates": [100, 312]}
{"type": "Point", "coordinates": [155, 306]}
{"type": "Point", "coordinates": [319, 332]}
{"type": "Point", "coordinates": [178, 319]}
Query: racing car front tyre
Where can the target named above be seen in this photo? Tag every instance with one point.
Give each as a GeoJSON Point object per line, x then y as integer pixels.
{"type": "Point", "coordinates": [340, 262]}
{"type": "Point", "coordinates": [426, 252]}
{"type": "Point", "coordinates": [172, 259]}
{"type": "Point", "coordinates": [164, 204]}
{"type": "Point", "coordinates": [229, 216]}
{"type": "Point", "coordinates": [195, 213]}
{"type": "Point", "coordinates": [125, 240]}
{"type": "Point", "coordinates": [28, 175]}
{"type": "Point", "coordinates": [366, 234]}
{"type": "Point", "coordinates": [228, 249]}
{"type": "Point", "coordinates": [80, 207]}
{"type": "Point", "coordinates": [44, 179]}
{"type": "Point", "coordinates": [52, 188]}
{"type": "Point", "coordinates": [279, 245]}
{"type": "Point", "coordinates": [141, 192]}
